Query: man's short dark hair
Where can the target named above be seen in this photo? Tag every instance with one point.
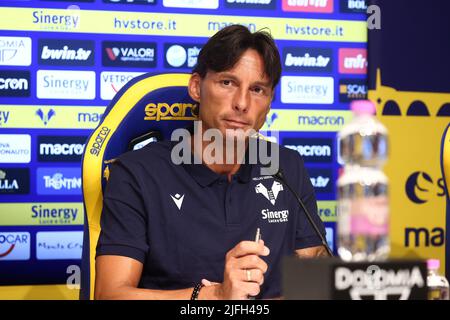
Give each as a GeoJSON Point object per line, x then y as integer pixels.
{"type": "Point", "coordinates": [225, 48]}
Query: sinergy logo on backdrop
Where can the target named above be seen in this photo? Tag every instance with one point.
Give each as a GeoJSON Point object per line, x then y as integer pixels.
{"type": "Point", "coordinates": [65, 84]}
{"type": "Point", "coordinates": [55, 214]}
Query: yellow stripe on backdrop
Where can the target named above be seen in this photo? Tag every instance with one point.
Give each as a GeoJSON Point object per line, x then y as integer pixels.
{"type": "Point", "coordinates": [165, 24]}
{"type": "Point", "coordinates": [50, 117]}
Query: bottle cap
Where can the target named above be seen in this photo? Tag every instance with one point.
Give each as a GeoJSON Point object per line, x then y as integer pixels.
{"type": "Point", "coordinates": [363, 107]}
{"type": "Point", "coordinates": [433, 264]}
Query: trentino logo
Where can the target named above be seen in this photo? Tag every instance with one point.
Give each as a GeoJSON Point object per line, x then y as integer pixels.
{"type": "Point", "coordinates": [59, 84]}
{"type": "Point", "coordinates": [321, 179]}
{"type": "Point", "coordinates": [15, 148]}
{"type": "Point", "coordinates": [352, 89]}
{"type": "Point", "coordinates": [129, 54]}
{"type": "Point", "coordinates": [45, 116]}
{"type": "Point", "coordinates": [14, 83]}
{"type": "Point", "coordinates": [250, 4]}
{"type": "Point", "coordinates": [353, 61]}
{"type": "Point", "coordinates": [312, 150]}
{"type": "Point", "coordinates": [307, 90]}
{"type": "Point", "coordinates": [112, 82]}
{"type": "Point", "coordinates": [353, 6]}
{"type": "Point", "coordinates": [14, 180]}
{"type": "Point", "coordinates": [60, 148]}
{"type": "Point", "coordinates": [197, 4]}
{"type": "Point", "coordinates": [58, 181]}
{"type": "Point", "coordinates": [319, 6]}
{"type": "Point", "coordinates": [61, 52]}
{"type": "Point", "coordinates": [181, 55]}
{"type": "Point", "coordinates": [15, 246]}
{"type": "Point", "coordinates": [15, 51]}
{"type": "Point", "coordinates": [308, 59]}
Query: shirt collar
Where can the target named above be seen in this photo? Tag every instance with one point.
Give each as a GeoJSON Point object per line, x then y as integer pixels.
{"type": "Point", "coordinates": [204, 176]}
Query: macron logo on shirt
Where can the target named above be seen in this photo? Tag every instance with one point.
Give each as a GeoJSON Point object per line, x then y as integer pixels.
{"type": "Point", "coordinates": [178, 200]}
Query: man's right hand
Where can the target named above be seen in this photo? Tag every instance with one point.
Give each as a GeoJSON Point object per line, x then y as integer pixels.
{"type": "Point", "coordinates": [244, 271]}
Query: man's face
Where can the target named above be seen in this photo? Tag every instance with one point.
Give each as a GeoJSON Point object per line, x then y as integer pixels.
{"type": "Point", "coordinates": [234, 99]}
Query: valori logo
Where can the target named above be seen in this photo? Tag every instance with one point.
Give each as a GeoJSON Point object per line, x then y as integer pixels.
{"type": "Point", "coordinates": [311, 90]}
{"type": "Point", "coordinates": [112, 82]}
{"type": "Point", "coordinates": [56, 84]}
{"type": "Point", "coordinates": [353, 61]}
{"type": "Point", "coordinates": [321, 6]}
{"type": "Point", "coordinates": [15, 51]}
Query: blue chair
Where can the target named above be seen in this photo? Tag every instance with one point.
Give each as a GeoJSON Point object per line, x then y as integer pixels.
{"type": "Point", "coordinates": [148, 107]}
{"type": "Point", "coordinates": [445, 167]}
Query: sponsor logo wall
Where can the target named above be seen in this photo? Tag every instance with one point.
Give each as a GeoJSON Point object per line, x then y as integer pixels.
{"type": "Point", "coordinates": [59, 69]}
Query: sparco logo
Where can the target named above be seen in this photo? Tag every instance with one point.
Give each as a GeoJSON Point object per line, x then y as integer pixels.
{"type": "Point", "coordinates": [378, 284]}
{"type": "Point", "coordinates": [250, 4]}
{"type": "Point", "coordinates": [66, 52]}
{"type": "Point", "coordinates": [99, 140]}
{"type": "Point", "coordinates": [14, 83]}
{"type": "Point", "coordinates": [308, 59]}
{"type": "Point", "coordinates": [60, 148]}
{"type": "Point", "coordinates": [129, 54]}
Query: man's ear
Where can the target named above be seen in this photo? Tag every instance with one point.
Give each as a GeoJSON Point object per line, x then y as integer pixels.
{"type": "Point", "coordinates": [194, 87]}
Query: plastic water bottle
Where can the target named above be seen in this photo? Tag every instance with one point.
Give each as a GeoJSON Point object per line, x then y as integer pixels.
{"type": "Point", "coordinates": [363, 207]}
{"type": "Point", "coordinates": [438, 288]}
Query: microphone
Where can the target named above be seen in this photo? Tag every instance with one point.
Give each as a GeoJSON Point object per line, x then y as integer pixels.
{"type": "Point", "coordinates": [280, 178]}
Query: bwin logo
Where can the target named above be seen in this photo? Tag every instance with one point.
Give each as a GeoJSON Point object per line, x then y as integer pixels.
{"type": "Point", "coordinates": [45, 117]}
{"type": "Point", "coordinates": [270, 120]}
{"type": "Point", "coordinates": [419, 184]}
{"type": "Point", "coordinates": [271, 194]}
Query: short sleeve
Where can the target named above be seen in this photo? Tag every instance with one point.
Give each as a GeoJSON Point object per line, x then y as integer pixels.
{"type": "Point", "coordinates": [123, 220]}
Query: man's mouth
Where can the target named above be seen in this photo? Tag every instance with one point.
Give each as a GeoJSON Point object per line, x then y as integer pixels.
{"type": "Point", "coordinates": [234, 123]}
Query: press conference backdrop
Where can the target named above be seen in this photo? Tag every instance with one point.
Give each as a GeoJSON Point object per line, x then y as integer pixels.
{"type": "Point", "coordinates": [61, 62]}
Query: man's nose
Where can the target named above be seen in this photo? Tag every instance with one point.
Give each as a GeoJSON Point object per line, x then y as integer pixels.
{"type": "Point", "coordinates": [241, 100]}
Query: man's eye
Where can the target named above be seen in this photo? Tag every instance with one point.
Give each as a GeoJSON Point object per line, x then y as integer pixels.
{"type": "Point", "coordinates": [226, 82]}
{"type": "Point", "coordinates": [258, 90]}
